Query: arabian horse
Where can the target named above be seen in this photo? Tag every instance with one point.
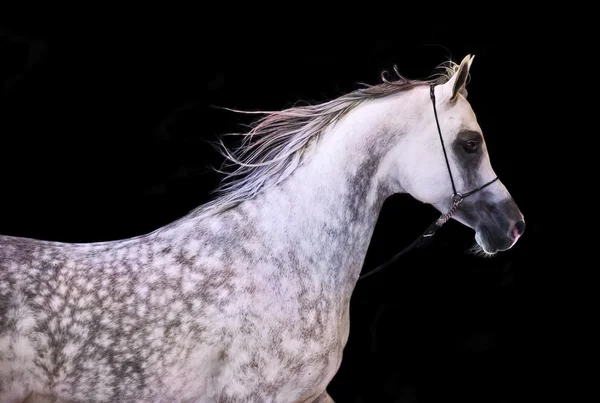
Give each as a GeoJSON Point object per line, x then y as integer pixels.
{"type": "Point", "coordinates": [246, 298]}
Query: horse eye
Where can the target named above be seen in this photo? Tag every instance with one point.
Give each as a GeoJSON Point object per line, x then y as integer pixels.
{"type": "Point", "coordinates": [471, 146]}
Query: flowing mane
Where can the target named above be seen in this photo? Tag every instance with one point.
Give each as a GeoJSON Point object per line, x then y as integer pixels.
{"type": "Point", "coordinates": [279, 141]}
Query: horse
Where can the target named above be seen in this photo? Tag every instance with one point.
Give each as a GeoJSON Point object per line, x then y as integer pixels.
{"type": "Point", "coordinates": [246, 298]}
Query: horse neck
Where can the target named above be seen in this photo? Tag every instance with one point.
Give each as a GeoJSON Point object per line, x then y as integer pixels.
{"type": "Point", "coordinates": [327, 209]}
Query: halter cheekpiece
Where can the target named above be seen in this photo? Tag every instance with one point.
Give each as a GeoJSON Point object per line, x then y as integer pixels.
{"type": "Point", "coordinates": [456, 199]}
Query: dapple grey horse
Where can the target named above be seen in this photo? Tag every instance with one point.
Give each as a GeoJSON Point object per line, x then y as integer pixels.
{"type": "Point", "coordinates": [246, 298]}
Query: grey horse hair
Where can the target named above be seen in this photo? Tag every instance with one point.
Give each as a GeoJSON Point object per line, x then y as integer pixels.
{"type": "Point", "coordinates": [280, 141]}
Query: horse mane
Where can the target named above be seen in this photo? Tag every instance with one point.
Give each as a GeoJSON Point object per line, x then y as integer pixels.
{"type": "Point", "coordinates": [279, 141]}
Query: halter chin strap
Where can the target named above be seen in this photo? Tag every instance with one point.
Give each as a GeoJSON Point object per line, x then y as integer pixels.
{"type": "Point", "coordinates": [456, 199]}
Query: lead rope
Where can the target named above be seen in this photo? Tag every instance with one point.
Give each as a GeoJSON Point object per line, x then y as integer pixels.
{"type": "Point", "coordinates": [425, 236]}
{"type": "Point", "coordinates": [457, 198]}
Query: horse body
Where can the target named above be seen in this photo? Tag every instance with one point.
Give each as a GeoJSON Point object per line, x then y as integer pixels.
{"type": "Point", "coordinates": [253, 307]}
{"type": "Point", "coordinates": [245, 302]}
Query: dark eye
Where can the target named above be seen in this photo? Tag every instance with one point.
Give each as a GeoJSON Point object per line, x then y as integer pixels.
{"type": "Point", "coordinates": [471, 146]}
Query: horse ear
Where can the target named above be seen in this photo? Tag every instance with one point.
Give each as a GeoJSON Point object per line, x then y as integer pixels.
{"type": "Point", "coordinates": [457, 84]}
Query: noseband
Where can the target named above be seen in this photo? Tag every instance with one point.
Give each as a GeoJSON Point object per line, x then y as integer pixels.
{"type": "Point", "coordinates": [456, 199]}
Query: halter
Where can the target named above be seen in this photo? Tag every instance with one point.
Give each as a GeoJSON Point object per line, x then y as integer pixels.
{"type": "Point", "coordinates": [456, 199]}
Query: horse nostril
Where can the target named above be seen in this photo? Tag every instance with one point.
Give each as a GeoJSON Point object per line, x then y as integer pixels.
{"type": "Point", "coordinates": [519, 228]}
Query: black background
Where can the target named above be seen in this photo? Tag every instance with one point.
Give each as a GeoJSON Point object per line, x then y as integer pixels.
{"type": "Point", "coordinates": [104, 128]}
